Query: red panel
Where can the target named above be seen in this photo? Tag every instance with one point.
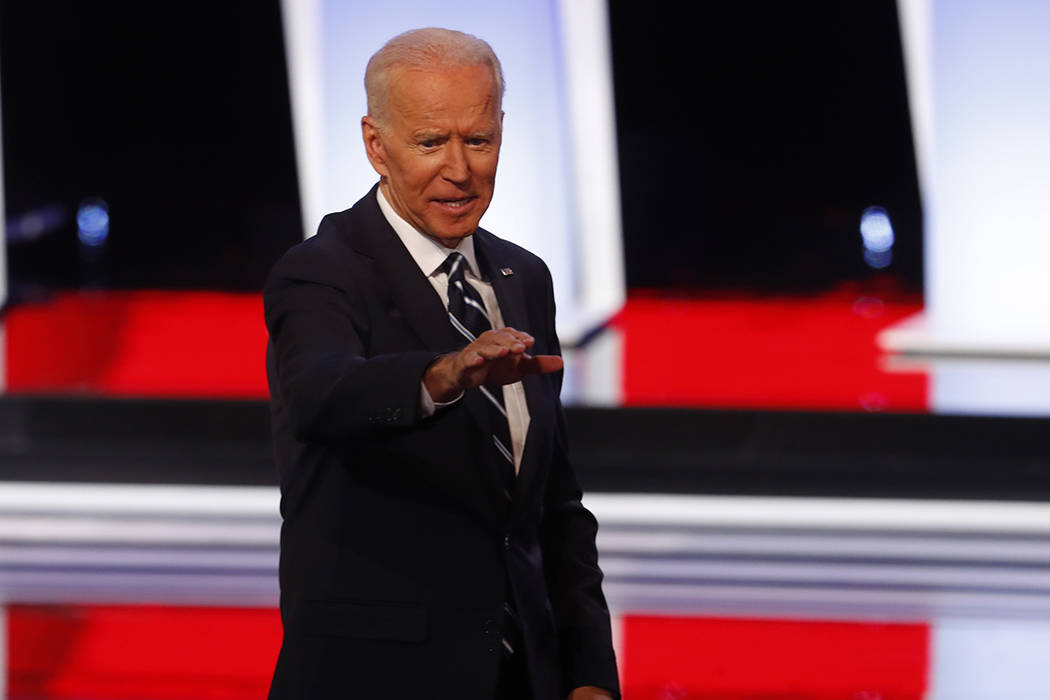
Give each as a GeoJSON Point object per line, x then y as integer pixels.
{"type": "Point", "coordinates": [141, 652]}
{"type": "Point", "coordinates": [674, 658]}
{"type": "Point", "coordinates": [781, 353]}
{"type": "Point", "coordinates": [807, 353]}
{"type": "Point", "coordinates": [141, 343]}
{"type": "Point", "coordinates": [174, 653]}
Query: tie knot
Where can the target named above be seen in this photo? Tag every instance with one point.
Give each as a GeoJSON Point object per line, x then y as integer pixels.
{"type": "Point", "coordinates": [453, 266]}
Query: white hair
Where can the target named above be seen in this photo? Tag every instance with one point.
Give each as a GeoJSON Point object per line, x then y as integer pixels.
{"type": "Point", "coordinates": [425, 49]}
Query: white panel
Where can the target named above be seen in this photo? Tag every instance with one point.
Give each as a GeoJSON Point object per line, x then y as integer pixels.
{"type": "Point", "coordinates": [914, 17]}
{"type": "Point", "coordinates": [594, 372]}
{"type": "Point", "coordinates": [555, 197]}
{"type": "Point", "coordinates": [174, 500]}
{"type": "Point", "coordinates": [900, 515]}
{"type": "Point", "coordinates": [979, 85]}
{"type": "Point", "coordinates": [988, 235]}
{"type": "Point", "coordinates": [817, 558]}
{"type": "Point", "coordinates": [596, 225]}
{"type": "Point", "coordinates": [993, 387]}
{"type": "Point", "coordinates": [990, 660]}
{"type": "Point", "coordinates": [303, 55]}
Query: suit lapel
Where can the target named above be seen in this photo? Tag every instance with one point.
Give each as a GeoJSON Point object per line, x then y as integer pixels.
{"type": "Point", "coordinates": [410, 290]}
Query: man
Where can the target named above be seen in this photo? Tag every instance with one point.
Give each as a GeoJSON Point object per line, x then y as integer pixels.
{"type": "Point", "coordinates": [434, 544]}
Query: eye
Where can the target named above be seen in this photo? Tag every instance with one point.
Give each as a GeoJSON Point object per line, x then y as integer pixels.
{"type": "Point", "coordinates": [429, 143]}
{"type": "Point", "coordinates": [477, 141]}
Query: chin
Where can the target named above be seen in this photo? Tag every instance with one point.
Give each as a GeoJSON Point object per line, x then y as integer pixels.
{"type": "Point", "coordinates": [457, 233]}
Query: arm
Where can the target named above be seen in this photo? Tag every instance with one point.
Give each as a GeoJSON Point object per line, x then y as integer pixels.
{"type": "Point", "coordinates": [567, 538]}
{"type": "Point", "coordinates": [317, 324]}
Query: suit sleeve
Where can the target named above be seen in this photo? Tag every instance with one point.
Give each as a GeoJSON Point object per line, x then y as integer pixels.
{"type": "Point", "coordinates": [570, 557]}
{"type": "Point", "coordinates": [317, 323]}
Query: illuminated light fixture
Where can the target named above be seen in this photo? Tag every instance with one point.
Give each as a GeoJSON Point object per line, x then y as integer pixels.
{"type": "Point", "coordinates": [876, 233]}
{"type": "Point", "coordinates": [93, 222]}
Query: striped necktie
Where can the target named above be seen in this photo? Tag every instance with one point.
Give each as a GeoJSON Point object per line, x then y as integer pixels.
{"type": "Point", "coordinates": [466, 312]}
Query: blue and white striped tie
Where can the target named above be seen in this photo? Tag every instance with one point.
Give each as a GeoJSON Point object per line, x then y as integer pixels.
{"type": "Point", "coordinates": [466, 312]}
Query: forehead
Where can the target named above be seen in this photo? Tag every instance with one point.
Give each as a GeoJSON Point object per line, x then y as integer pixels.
{"type": "Point", "coordinates": [441, 93]}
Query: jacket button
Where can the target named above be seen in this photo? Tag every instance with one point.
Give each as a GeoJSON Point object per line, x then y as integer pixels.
{"type": "Point", "coordinates": [490, 633]}
{"type": "Point", "coordinates": [506, 542]}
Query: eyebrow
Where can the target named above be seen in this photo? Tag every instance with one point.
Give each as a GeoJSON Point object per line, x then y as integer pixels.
{"type": "Point", "coordinates": [437, 135]}
{"type": "Point", "coordinates": [428, 135]}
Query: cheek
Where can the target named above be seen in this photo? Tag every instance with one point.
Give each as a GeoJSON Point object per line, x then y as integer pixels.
{"type": "Point", "coordinates": [420, 177]}
{"type": "Point", "coordinates": [485, 171]}
{"type": "Point", "coordinates": [492, 163]}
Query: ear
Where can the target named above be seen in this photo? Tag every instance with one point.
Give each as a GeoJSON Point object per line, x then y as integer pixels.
{"type": "Point", "coordinates": [374, 148]}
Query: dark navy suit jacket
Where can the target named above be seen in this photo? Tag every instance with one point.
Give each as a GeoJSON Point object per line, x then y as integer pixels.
{"type": "Point", "coordinates": [398, 545]}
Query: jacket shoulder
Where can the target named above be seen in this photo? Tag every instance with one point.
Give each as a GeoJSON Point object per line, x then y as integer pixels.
{"type": "Point", "coordinates": [323, 257]}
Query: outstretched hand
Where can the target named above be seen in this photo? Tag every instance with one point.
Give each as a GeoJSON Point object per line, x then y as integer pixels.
{"type": "Point", "coordinates": [496, 357]}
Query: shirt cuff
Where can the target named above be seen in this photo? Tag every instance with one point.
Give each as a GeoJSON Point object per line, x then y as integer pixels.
{"type": "Point", "coordinates": [429, 406]}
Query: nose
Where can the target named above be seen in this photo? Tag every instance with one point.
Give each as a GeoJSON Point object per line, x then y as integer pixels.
{"type": "Point", "coordinates": [456, 167]}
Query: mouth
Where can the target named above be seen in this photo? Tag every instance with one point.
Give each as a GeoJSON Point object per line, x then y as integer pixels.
{"type": "Point", "coordinates": [455, 203]}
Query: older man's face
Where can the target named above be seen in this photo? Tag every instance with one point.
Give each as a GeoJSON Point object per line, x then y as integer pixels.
{"type": "Point", "coordinates": [439, 152]}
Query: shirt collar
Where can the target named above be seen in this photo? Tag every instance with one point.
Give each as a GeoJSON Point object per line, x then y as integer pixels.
{"type": "Point", "coordinates": [428, 253]}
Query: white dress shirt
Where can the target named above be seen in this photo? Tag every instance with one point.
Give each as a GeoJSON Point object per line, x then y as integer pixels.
{"type": "Point", "coordinates": [430, 256]}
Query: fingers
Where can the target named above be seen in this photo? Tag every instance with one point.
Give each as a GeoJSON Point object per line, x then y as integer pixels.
{"type": "Point", "coordinates": [472, 358]}
{"type": "Point", "coordinates": [506, 341]}
{"type": "Point", "coordinates": [499, 356]}
{"type": "Point", "coordinates": [523, 337]}
{"type": "Point", "coordinates": [540, 364]}
{"type": "Point", "coordinates": [513, 336]}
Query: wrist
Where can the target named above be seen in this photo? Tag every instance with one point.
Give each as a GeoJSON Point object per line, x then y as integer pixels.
{"type": "Point", "coordinates": [441, 380]}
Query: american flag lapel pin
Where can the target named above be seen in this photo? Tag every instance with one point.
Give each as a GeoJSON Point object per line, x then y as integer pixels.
{"type": "Point", "coordinates": [506, 271]}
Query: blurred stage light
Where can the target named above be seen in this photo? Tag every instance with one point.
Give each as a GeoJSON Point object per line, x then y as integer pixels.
{"type": "Point", "coordinates": [93, 222]}
{"type": "Point", "coordinates": [869, 307]}
{"type": "Point", "coordinates": [36, 224]}
{"type": "Point", "coordinates": [878, 259]}
{"type": "Point", "coordinates": [876, 232]}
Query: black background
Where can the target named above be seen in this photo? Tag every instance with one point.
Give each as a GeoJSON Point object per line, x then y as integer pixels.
{"type": "Point", "coordinates": [176, 114]}
{"type": "Point", "coordinates": [752, 135]}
